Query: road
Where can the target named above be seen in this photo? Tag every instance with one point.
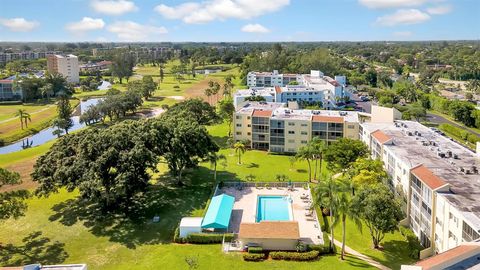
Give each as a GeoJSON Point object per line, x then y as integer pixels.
{"type": "Point", "coordinates": [437, 119]}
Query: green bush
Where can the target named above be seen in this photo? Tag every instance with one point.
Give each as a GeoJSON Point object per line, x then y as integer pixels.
{"type": "Point", "coordinates": [294, 256]}
{"type": "Point", "coordinates": [177, 238]}
{"type": "Point", "coordinates": [414, 245]}
{"type": "Point", "coordinates": [254, 257]}
{"type": "Point", "coordinates": [255, 250]}
{"type": "Point", "coordinates": [459, 133]}
{"type": "Point", "coordinates": [208, 238]}
{"type": "Point", "coordinates": [322, 249]}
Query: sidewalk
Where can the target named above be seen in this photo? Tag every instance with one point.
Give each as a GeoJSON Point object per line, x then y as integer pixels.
{"type": "Point", "coordinates": [360, 255]}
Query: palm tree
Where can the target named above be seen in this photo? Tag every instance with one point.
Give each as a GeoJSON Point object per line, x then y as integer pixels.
{"type": "Point", "coordinates": [214, 158]}
{"type": "Point", "coordinates": [239, 150]}
{"type": "Point", "coordinates": [344, 209]}
{"type": "Point", "coordinates": [24, 116]}
{"type": "Point", "coordinates": [326, 196]}
{"type": "Point", "coordinates": [46, 90]}
{"type": "Point", "coordinates": [318, 147]}
{"type": "Point", "coordinates": [306, 153]}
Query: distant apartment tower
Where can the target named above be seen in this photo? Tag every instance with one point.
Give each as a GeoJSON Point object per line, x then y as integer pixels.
{"type": "Point", "coordinates": [66, 65]}
{"type": "Point", "coordinates": [308, 88]}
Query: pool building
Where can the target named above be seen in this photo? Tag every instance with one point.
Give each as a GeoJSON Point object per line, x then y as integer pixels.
{"type": "Point", "coordinates": [274, 216]}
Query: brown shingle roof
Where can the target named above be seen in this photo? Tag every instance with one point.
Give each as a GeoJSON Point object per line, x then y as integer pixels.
{"type": "Point", "coordinates": [270, 230]}
{"type": "Point", "coordinates": [381, 137]}
{"type": "Point", "coordinates": [448, 256]}
{"type": "Point", "coordinates": [426, 176]}
{"type": "Point", "coordinates": [327, 119]}
{"type": "Point", "coordinates": [262, 113]}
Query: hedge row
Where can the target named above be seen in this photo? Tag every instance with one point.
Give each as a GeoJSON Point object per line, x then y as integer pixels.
{"type": "Point", "coordinates": [208, 238]}
{"type": "Point", "coordinates": [295, 256]}
{"type": "Point", "coordinates": [255, 250]}
{"type": "Point", "coordinates": [254, 257]}
{"type": "Point", "coordinates": [322, 249]}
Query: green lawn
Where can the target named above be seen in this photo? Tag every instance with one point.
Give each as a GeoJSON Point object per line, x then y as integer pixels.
{"type": "Point", "coordinates": [395, 248]}
{"type": "Point", "coordinates": [41, 118]}
{"type": "Point", "coordinates": [62, 229]}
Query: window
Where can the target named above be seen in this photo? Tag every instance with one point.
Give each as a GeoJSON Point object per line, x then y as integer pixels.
{"type": "Point", "coordinates": [291, 132]}
{"type": "Point", "coordinates": [248, 133]}
{"type": "Point", "coordinates": [350, 126]}
{"type": "Point", "coordinates": [239, 125]}
{"type": "Point", "coordinates": [249, 125]}
{"type": "Point", "coordinates": [238, 117]}
{"type": "Point", "coordinates": [304, 133]}
{"type": "Point", "coordinates": [304, 125]}
{"type": "Point", "coordinates": [291, 123]}
{"type": "Point", "coordinates": [304, 142]}
{"type": "Point", "coordinates": [291, 141]}
{"type": "Point", "coordinates": [239, 133]}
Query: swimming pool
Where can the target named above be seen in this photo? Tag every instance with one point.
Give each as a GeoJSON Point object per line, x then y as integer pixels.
{"type": "Point", "coordinates": [274, 208]}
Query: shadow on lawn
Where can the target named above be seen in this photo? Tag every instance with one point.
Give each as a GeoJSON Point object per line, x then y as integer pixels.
{"type": "Point", "coordinates": [166, 199]}
{"type": "Point", "coordinates": [395, 253]}
{"type": "Point", "coordinates": [35, 248]}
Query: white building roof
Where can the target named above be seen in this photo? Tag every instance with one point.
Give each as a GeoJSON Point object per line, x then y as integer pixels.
{"type": "Point", "coordinates": [191, 222]}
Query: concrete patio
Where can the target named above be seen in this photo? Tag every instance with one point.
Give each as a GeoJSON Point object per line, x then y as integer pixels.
{"type": "Point", "coordinates": [245, 208]}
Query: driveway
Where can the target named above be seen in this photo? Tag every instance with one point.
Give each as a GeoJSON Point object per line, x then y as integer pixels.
{"type": "Point", "coordinates": [437, 119]}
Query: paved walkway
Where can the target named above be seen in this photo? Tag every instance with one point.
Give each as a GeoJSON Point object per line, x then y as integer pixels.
{"type": "Point", "coordinates": [361, 256]}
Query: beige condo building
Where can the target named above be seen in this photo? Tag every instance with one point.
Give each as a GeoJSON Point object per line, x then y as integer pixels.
{"type": "Point", "coordinates": [66, 65]}
{"type": "Point", "coordinates": [276, 128]}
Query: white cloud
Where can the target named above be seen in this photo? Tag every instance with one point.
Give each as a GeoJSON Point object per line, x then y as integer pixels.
{"type": "Point", "coordinates": [402, 34]}
{"type": "Point", "coordinates": [86, 24]}
{"type": "Point", "coordinates": [207, 11]}
{"type": "Point", "coordinates": [439, 10]}
{"type": "Point", "coordinates": [255, 28]}
{"type": "Point", "coordinates": [132, 31]}
{"type": "Point", "coordinates": [19, 24]}
{"type": "Point", "coordinates": [113, 7]}
{"type": "Point", "coordinates": [392, 3]}
{"type": "Point", "coordinates": [403, 16]}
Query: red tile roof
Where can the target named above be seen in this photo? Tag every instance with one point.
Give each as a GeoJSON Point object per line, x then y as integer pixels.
{"type": "Point", "coordinates": [262, 113]}
{"type": "Point", "coordinates": [327, 119]}
{"type": "Point", "coordinates": [381, 137]}
{"type": "Point", "coordinates": [270, 230]}
{"type": "Point", "coordinates": [443, 259]}
{"type": "Point", "coordinates": [426, 176]}
{"type": "Point", "coordinates": [278, 90]}
{"type": "Point", "coordinates": [6, 81]}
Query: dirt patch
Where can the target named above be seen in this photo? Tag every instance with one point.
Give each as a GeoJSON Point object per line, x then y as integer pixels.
{"type": "Point", "coordinates": [24, 168]}
{"type": "Point", "coordinates": [198, 91]}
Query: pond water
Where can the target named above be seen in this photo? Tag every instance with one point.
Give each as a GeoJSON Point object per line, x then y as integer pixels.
{"type": "Point", "coordinates": [46, 134]}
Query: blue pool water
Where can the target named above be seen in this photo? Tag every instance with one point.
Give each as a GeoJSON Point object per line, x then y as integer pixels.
{"type": "Point", "coordinates": [273, 208]}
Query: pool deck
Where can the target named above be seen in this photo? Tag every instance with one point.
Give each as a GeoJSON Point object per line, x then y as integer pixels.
{"type": "Point", "coordinates": [245, 208]}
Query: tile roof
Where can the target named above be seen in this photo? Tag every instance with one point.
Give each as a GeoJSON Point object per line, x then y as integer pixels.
{"type": "Point", "coordinates": [262, 113]}
{"type": "Point", "coordinates": [426, 176]}
{"type": "Point", "coordinates": [327, 119]}
{"type": "Point", "coordinates": [381, 137]}
{"type": "Point", "coordinates": [449, 256]}
{"type": "Point", "coordinates": [270, 230]}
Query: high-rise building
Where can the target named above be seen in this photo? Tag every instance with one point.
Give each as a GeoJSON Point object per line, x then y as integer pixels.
{"type": "Point", "coordinates": [66, 65]}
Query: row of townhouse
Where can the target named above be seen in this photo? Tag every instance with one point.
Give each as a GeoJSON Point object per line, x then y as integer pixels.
{"type": "Point", "coordinates": [28, 55]}
{"type": "Point", "coordinates": [276, 128]}
{"type": "Point", "coordinates": [436, 178]}
{"type": "Point", "coordinates": [309, 88]}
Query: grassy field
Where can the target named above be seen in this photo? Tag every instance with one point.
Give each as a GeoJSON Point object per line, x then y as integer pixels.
{"type": "Point", "coordinates": [395, 250]}
{"type": "Point", "coordinates": [118, 242]}
{"type": "Point", "coordinates": [42, 117]}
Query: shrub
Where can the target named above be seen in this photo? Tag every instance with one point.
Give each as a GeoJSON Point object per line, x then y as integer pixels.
{"type": "Point", "coordinates": [177, 238]}
{"type": "Point", "coordinates": [254, 257]}
{"type": "Point", "coordinates": [255, 250]}
{"type": "Point", "coordinates": [294, 256]}
{"type": "Point", "coordinates": [208, 238]}
{"type": "Point", "coordinates": [322, 249]}
{"type": "Point", "coordinates": [414, 245]}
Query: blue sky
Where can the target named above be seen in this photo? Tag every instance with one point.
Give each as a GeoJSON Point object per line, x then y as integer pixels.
{"type": "Point", "coordinates": [238, 20]}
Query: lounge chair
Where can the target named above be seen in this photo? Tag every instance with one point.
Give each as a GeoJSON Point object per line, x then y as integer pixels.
{"type": "Point", "coordinates": [304, 197]}
{"type": "Point", "coordinates": [309, 214]}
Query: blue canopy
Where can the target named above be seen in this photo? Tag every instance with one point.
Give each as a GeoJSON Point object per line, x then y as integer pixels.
{"type": "Point", "coordinates": [218, 212]}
